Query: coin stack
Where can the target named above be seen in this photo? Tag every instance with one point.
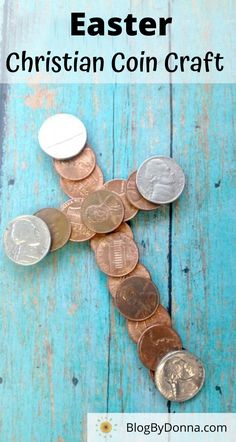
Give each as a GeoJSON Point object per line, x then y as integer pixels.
{"type": "Point", "coordinates": [99, 212]}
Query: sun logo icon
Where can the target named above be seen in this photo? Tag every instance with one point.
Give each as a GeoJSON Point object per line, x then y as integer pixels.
{"type": "Point", "coordinates": [105, 427]}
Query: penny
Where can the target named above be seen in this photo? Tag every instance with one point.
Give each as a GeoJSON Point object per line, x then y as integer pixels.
{"type": "Point", "coordinates": [179, 376]}
{"type": "Point", "coordinates": [123, 228]}
{"type": "Point", "coordinates": [79, 232]}
{"type": "Point", "coordinates": [102, 211]}
{"type": "Point", "coordinates": [119, 187]}
{"type": "Point", "coordinates": [160, 317]}
{"type": "Point", "coordinates": [62, 136]}
{"type": "Point", "coordinates": [78, 167]}
{"type": "Point", "coordinates": [134, 197]}
{"type": "Point", "coordinates": [27, 240]}
{"type": "Point", "coordinates": [117, 254]}
{"type": "Point", "coordinates": [160, 180]}
{"type": "Point", "coordinates": [59, 226]}
{"type": "Point", "coordinates": [113, 283]}
{"type": "Point", "coordinates": [155, 342]}
{"type": "Point", "coordinates": [82, 188]}
{"type": "Point", "coordinates": [137, 298]}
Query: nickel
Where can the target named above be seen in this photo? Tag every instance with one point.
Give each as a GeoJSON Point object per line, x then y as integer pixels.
{"type": "Point", "coordinates": [179, 376]}
{"type": "Point", "coordinates": [27, 240]}
{"type": "Point", "coordinates": [160, 180]}
{"type": "Point", "coordinates": [155, 342]}
{"type": "Point", "coordinates": [117, 254]}
{"type": "Point", "coordinates": [59, 226]}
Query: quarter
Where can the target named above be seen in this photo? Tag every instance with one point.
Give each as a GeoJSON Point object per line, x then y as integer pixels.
{"type": "Point", "coordinates": [160, 180]}
{"type": "Point", "coordinates": [59, 226]}
{"type": "Point", "coordinates": [179, 376]}
{"type": "Point", "coordinates": [155, 342]}
{"type": "Point", "coordinates": [62, 136]}
{"type": "Point", "coordinates": [137, 298]}
{"type": "Point", "coordinates": [27, 240]}
{"type": "Point", "coordinates": [117, 254]}
{"type": "Point", "coordinates": [102, 211]}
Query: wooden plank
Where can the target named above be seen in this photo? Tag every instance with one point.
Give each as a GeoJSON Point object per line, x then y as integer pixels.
{"type": "Point", "coordinates": [203, 282]}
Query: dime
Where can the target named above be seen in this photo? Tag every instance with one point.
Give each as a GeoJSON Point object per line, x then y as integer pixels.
{"type": "Point", "coordinates": [123, 228]}
{"type": "Point", "coordinates": [179, 376]}
{"type": "Point", "coordinates": [160, 180]}
{"type": "Point", "coordinates": [160, 317]}
{"type": "Point", "coordinates": [82, 188]}
{"type": "Point", "coordinates": [79, 232]}
{"type": "Point", "coordinates": [102, 211]}
{"type": "Point", "coordinates": [119, 187]}
{"type": "Point", "coordinates": [135, 197]}
{"type": "Point", "coordinates": [155, 342]}
{"type": "Point", "coordinates": [27, 240]}
{"type": "Point", "coordinates": [62, 136]}
{"type": "Point", "coordinates": [117, 254]}
{"type": "Point", "coordinates": [77, 168]}
{"type": "Point", "coordinates": [113, 283]}
{"type": "Point", "coordinates": [137, 298]}
{"type": "Point", "coordinates": [58, 224]}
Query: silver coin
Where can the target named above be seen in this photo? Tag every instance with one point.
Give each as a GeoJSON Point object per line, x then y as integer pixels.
{"type": "Point", "coordinates": [160, 180]}
{"type": "Point", "coordinates": [179, 376]}
{"type": "Point", "coordinates": [62, 136]}
{"type": "Point", "coordinates": [27, 240]}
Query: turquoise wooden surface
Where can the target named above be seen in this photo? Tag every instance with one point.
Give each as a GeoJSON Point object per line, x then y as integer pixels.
{"type": "Point", "coordinates": [65, 350]}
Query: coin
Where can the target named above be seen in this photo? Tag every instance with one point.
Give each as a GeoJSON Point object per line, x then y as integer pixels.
{"type": "Point", "coordinates": [117, 254]}
{"type": "Point", "coordinates": [119, 187]}
{"type": "Point", "coordinates": [134, 197]}
{"type": "Point", "coordinates": [152, 375]}
{"type": "Point", "coordinates": [160, 180]}
{"type": "Point", "coordinates": [82, 188]}
{"type": "Point", "coordinates": [102, 211]}
{"type": "Point", "coordinates": [27, 240]}
{"type": "Point", "coordinates": [113, 283]}
{"type": "Point", "coordinates": [155, 342]}
{"type": "Point", "coordinates": [179, 376]}
{"type": "Point", "coordinates": [59, 226]}
{"type": "Point", "coordinates": [78, 167]}
{"type": "Point", "coordinates": [137, 298]}
{"type": "Point", "coordinates": [160, 317]}
{"type": "Point", "coordinates": [79, 232]}
{"type": "Point", "coordinates": [62, 136]}
{"type": "Point", "coordinates": [123, 228]}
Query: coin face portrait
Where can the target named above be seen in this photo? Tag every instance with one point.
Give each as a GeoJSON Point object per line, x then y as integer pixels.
{"type": "Point", "coordinates": [160, 180]}
{"type": "Point", "coordinates": [102, 211]}
{"type": "Point", "coordinates": [179, 376]}
{"type": "Point", "coordinates": [27, 240]}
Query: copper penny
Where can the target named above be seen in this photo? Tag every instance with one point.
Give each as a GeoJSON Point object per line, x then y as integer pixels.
{"type": "Point", "coordinates": [113, 283]}
{"type": "Point", "coordinates": [78, 167]}
{"type": "Point", "coordinates": [137, 298]}
{"type": "Point", "coordinates": [135, 197]}
{"type": "Point", "coordinates": [117, 254]}
{"type": "Point", "coordinates": [79, 232]}
{"type": "Point", "coordinates": [160, 317]}
{"type": "Point", "coordinates": [119, 187]}
{"type": "Point", "coordinates": [123, 228]}
{"type": "Point", "coordinates": [102, 211]}
{"type": "Point", "coordinates": [58, 224]}
{"type": "Point", "coordinates": [82, 188]}
{"type": "Point", "coordinates": [155, 342]}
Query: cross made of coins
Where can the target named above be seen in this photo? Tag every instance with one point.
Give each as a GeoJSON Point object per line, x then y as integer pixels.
{"type": "Point", "coordinates": [98, 212]}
